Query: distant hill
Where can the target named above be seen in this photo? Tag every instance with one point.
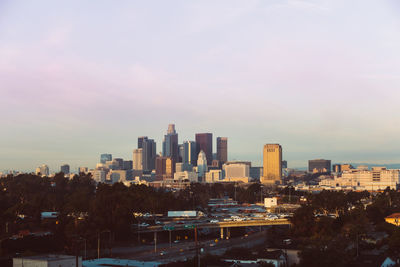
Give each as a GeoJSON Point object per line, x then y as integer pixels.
{"type": "Point", "coordinates": [370, 165]}
{"type": "Point", "coordinates": [355, 165]}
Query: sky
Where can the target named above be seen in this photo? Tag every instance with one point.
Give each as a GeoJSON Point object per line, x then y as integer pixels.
{"type": "Point", "coordinates": [81, 78]}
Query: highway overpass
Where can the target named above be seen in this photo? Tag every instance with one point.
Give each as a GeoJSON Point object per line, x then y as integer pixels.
{"type": "Point", "coordinates": [223, 224]}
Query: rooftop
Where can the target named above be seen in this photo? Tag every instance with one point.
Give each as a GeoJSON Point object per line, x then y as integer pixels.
{"type": "Point", "coordinates": [49, 257]}
{"type": "Point", "coordinates": [119, 262]}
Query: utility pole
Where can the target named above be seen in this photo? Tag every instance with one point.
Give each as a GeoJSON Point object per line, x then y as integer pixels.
{"type": "Point", "coordinates": [155, 242]}
{"type": "Point", "coordinates": [138, 233]}
{"type": "Point", "coordinates": [85, 250]}
{"type": "Point", "coordinates": [170, 245]}
{"type": "Point", "coordinates": [261, 194]}
{"type": "Point", "coordinates": [235, 192]}
{"type": "Point", "coordinates": [197, 247]}
{"type": "Point", "coordinates": [77, 255]}
{"type": "Point", "coordinates": [98, 246]}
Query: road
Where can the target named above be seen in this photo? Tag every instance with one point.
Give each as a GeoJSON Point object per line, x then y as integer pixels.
{"type": "Point", "coordinates": [222, 224]}
{"type": "Point", "coordinates": [185, 249]}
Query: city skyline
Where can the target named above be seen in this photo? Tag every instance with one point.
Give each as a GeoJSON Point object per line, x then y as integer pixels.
{"type": "Point", "coordinates": [56, 163]}
{"type": "Point", "coordinates": [320, 78]}
{"type": "Point", "coordinates": [55, 167]}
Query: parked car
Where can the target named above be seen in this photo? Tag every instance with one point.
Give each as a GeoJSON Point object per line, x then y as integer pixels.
{"type": "Point", "coordinates": [271, 217]}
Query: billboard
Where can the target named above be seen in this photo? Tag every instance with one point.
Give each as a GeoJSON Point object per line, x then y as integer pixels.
{"type": "Point", "coordinates": [184, 213]}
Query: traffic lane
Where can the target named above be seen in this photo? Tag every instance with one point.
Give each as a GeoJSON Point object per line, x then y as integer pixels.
{"type": "Point", "coordinates": [183, 252]}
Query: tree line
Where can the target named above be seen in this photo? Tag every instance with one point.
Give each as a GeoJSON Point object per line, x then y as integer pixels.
{"type": "Point", "coordinates": [333, 228]}
{"type": "Point", "coordinates": [87, 209]}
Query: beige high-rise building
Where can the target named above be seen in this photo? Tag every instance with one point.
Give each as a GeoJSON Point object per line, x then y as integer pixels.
{"type": "Point", "coordinates": [137, 159]}
{"type": "Point", "coordinates": [272, 164]}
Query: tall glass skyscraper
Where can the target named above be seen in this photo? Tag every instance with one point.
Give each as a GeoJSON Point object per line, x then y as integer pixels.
{"type": "Point", "coordinates": [170, 144]}
{"type": "Point", "coordinates": [149, 155]}
{"type": "Point", "coordinates": [65, 169]}
{"type": "Point", "coordinates": [148, 147]}
{"type": "Point", "coordinates": [204, 142]}
{"type": "Point", "coordinates": [105, 157]}
{"type": "Point", "coordinates": [140, 141]}
{"type": "Point", "coordinates": [222, 149]}
{"type": "Point", "coordinates": [189, 155]}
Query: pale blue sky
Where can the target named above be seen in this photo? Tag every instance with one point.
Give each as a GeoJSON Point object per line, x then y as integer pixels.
{"type": "Point", "coordinates": [81, 78]}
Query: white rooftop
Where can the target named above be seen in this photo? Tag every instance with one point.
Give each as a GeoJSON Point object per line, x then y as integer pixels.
{"type": "Point", "coordinates": [119, 262]}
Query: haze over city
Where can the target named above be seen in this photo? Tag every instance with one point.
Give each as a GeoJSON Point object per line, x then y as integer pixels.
{"type": "Point", "coordinates": [78, 79]}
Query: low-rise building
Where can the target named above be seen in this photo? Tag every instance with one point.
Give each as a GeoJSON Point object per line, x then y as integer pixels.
{"type": "Point", "coordinates": [99, 175]}
{"type": "Point", "coordinates": [237, 171]}
{"type": "Point", "coordinates": [270, 202]}
{"type": "Point", "coordinates": [379, 178]}
{"type": "Point", "coordinates": [186, 175]}
{"type": "Point", "coordinates": [213, 176]}
{"type": "Point", "coordinates": [47, 261]}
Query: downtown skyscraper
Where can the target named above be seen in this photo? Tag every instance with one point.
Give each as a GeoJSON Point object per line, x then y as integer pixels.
{"type": "Point", "coordinates": [189, 155]}
{"type": "Point", "coordinates": [170, 144]}
{"type": "Point", "coordinates": [148, 147]}
{"type": "Point", "coordinates": [105, 157]}
{"type": "Point", "coordinates": [222, 149]}
{"type": "Point", "coordinates": [204, 142]}
{"type": "Point", "coordinates": [272, 164]}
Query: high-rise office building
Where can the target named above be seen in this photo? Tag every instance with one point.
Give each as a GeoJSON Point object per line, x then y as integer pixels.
{"type": "Point", "coordinates": [319, 165]}
{"type": "Point", "coordinates": [189, 154]}
{"type": "Point", "coordinates": [272, 164]}
{"type": "Point", "coordinates": [138, 159]}
{"type": "Point", "coordinates": [256, 173]}
{"type": "Point", "coordinates": [204, 142]}
{"type": "Point", "coordinates": [112, 164]}
{"type": "Point", "coordinates": [149, 154]}
{"type": "Point", "coordinates": [165, 168]}
{"type": "Point", "coordinates": [105, 157]}
{"type": "Point", "coordinates": [284, 164]}
{"type": "Point", "coordinates": [202, 164]}
{"type": "Point", "coordinates": [222, 149]}
{"type": "Point", "coordinates": [140, 141]}
{"type": "Point", "coordinates": [64, 169]}
{"type": "Point", "coordinates": [120, 163]}
{"type": "Point", "coordinates": [43, 170]}
{"type": "Point", "coordinates": [83, 169]}
{"type": "Point", "coordinates": [99, 175]}
{"type": "Point", "coordinates": [127, 165]}
{"type": "Point", "coordinates": [170, 144]}
{"type": "Point", "coordinates": [181, 167]}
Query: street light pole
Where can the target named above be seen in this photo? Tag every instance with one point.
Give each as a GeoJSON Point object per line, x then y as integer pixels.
{"type": "Point", "coordinates": [155, 242]}
{"type": "Point", "coordinates": [138, 233]}
{"type": "Point", "coordinates": [98, 246]}
{"type": "Point", "coordinates": [235, 191]}
{"type": "Point", "coordinates": [197, 247]}
{"type": "Point", "coordinates": [170, 245]}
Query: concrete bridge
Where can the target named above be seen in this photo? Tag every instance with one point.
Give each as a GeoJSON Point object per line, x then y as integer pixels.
{"type": "Point", "coordinates": [222, 224]}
